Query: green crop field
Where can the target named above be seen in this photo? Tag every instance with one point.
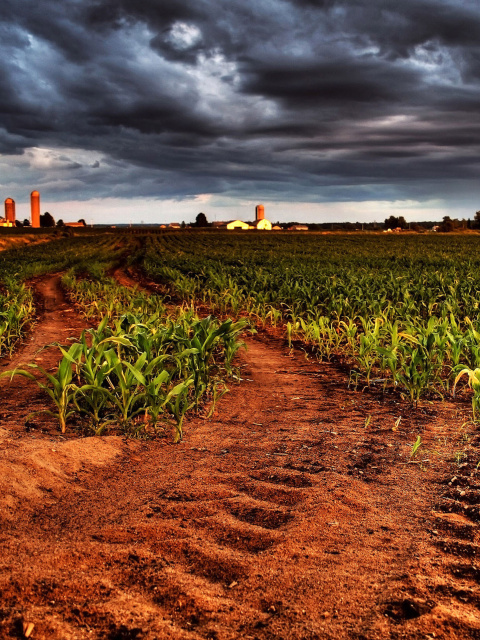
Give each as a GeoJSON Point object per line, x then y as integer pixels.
{"type": "Point", "coordinates": [399, 313]}
{"type": "Point", "coordinates": [402, 311]}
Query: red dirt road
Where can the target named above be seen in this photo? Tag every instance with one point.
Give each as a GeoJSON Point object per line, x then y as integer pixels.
{"type": "Point", "coordinates": [283, 517]}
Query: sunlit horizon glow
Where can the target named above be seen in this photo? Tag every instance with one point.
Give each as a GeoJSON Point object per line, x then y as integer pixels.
{"type": "Point", "coordinates": [151, 212]}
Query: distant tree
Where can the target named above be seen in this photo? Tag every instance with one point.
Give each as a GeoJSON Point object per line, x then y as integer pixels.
{"type": "Point", "coordinates": [183, 225]}
{"type": "Point", "coordinates": [26, 222]}
{"type": "Point", "coordinates": [201, 220]}
{"type": "Point", "coordinates": [395, 223]}
{"type": "Point", "coordinates": [476, 221]}
{"type": "Point", "coordinates": [391, 222]}
{"type": "Point", "coordinates": [447, 224]}
{"type": "Point", "coordinates": [83, 222]}
{"type": "Point", "coordinates": [47, 220]}
{"type": "Point", "coordinates": [18, 223]}
{"type": "Point", "coordinates": [60, 223]}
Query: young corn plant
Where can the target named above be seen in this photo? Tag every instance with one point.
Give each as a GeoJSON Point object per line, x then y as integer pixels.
{"type": "Point", "coordinates": [178, 404]}
{"type": "Point", "coordinates": [473, 381]}
{"type": "Point", "coordinates": [58, 386]}
{"type": "Point", "coordinates": [16, 314]}
{"type": "Point", "coordinates": [415, 448]}
{"type": "Point", "coordinates": [126, 383]}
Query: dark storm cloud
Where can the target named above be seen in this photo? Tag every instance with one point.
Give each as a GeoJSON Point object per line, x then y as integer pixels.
{"type": "Point", "coordinates": [287, 99]}
{"type": "Point", "coordinates": [341, 82]}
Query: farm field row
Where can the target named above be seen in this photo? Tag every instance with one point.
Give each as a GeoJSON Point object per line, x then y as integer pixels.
{"type": "Point", "coordinates": [400, 313]}
{"type": "Point", "coordinates": [19, 264]}
{"type": "Point", "coordinates": [141, 367]}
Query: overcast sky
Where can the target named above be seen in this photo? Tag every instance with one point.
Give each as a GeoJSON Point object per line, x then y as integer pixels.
{"type": "Point", "coordinates": [155, 110]}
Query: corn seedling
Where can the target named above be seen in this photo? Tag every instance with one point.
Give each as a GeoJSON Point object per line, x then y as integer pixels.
{"type": "Point", "coordinates": [415, 448]}
{"type": "Point", "coordinates": [58, 386]}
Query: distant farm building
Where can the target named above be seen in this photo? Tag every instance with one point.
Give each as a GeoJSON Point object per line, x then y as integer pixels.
{"type": "Point", "coordinates": [263, 224]}
{"type": "Point", "coordinates": [80, 223]}
{"type": "Point", "coordinates": [260, 223]}
{"type": "Point", "coordinates": [396, 230]}
{"type": "Point", "coordinates": [35, 209]}
{"type": "Point", "coordinates": [9, 211]}
{"type": "Point", "coordinates": [238, 224]}
{"type": "Point", "coordinates": [9, 219]}
{"type": "Point", "coordinates": [298, 227]}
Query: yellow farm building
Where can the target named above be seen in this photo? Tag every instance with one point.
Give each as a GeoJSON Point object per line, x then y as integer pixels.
{"type": "Point", "coordinates": [238, 224]}
{"type": "Point", "coordinates": [261, 223]}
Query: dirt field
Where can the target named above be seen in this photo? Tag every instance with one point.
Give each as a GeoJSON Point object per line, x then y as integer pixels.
{"type": "Point", "coordinates": [296, 512]}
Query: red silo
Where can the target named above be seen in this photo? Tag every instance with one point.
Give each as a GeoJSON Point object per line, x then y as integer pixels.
{"type": "Point", "coordinates": [259, 212]}
{"type": "Point", "coordinates": [35, 208]}
{"type": "Point", "coordinates": [10, 210]}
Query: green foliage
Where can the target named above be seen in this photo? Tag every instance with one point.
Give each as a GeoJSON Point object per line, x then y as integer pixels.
{"type": "Point", "coordinates": [58, 385]}
{"type": "Point", "coordinates": [474, 383]}
{"type": "Point", "coordinates": [141, 369]}
{"type": "Point", "coordinates": [16, 314]}
{"type": "Point", "coordinates": [402, 311]}
{"type": "Point", "coordinates": [415, 448]}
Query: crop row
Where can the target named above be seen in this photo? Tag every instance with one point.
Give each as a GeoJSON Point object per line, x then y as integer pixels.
{"type": "Point", "coordinates": [142, 368]}
{"type": "Point", "coordinates": [18, 266]}
{"type": "Point", "coordinates": [401, 312]}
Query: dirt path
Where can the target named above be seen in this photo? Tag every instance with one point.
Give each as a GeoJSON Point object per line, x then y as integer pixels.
{"type": "Point", "coordinates": [33, 455]}
{"type": "Point", "coordinates": [57, 322]}
{"type": "Point", "coordinates": [124, 278]}
{"type": "Point", "coordinates": [284, 516]}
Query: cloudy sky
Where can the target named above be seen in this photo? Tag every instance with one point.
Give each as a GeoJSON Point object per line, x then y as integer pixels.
{"type": "Point", "coordinates": [154, 110]}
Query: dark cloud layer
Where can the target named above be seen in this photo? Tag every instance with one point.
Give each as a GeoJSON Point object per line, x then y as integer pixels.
{"type": "Point", "coordinates": [311, 100]}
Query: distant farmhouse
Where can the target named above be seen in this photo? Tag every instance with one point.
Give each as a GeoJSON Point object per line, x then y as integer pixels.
{"type": "Point", "coordinates": [80, 223]}
{"type": "Point", "coordinates": [261, 223]}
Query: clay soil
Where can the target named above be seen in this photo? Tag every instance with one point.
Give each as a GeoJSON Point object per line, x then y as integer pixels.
{"type": "Point", "coordinates": [296, 512]}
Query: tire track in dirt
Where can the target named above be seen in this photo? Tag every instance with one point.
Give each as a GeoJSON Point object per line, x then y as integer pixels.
{"type": "Point", "coordinates": [281, 517]}
{"type": "Point", "coordinates": [57, 320]}
{"type": "Point", "coordinates": [252, 527]}
{"type": "Point", "coordinates": [260, 513]}
{"type": "Point", "coordinates": [456, 534]}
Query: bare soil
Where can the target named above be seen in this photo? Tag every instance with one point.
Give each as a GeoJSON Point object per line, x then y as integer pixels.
{"type": "Point", "coordinates": [17, 242]}
{"type": "Point", "coordinates": [296, 512]}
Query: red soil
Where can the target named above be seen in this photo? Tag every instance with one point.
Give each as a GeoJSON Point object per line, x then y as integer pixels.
{"type": "Point", "coordinates": [283, 516]}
